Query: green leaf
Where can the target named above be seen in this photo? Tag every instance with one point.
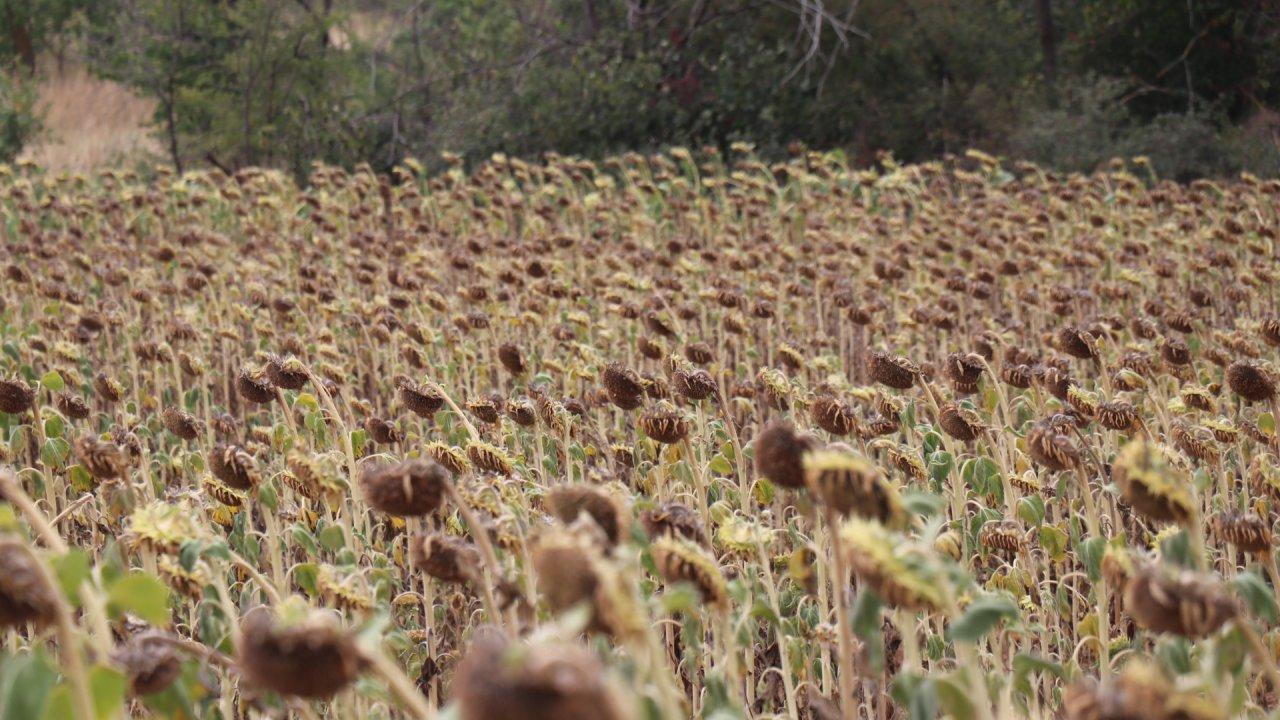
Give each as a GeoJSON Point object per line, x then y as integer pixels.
{"type": "Point", "coordinates": [940, 465]}
{"type": "Point", "coordinates": [922, 502]}
{"type": "Point", "coordinates": [918, 694]}
{"type": "Point", "coordinates": [55, 451]}
{"type": "Point", "coordinates": [720, 465]}
{"type": "Point", "coordinates": [1025, 665]}
{"type": "Point", "coordinates": [1090, 552]}
{"type": "Point", "coordinates": [953, 697]}
{"type": "Point", "coordinates": [866, 614]}
{"type": "Point", "coordinates": [26, 680]}
{"type": "Point", "coordinates": [1175, 654]}
{"type": "Point", "coordinates": [1054, 541]}
{"type": "Point", "coordinates": [680, 597]}
{"type": "Point", "coordinates": [71, 569]}
{"type": "Point", "coordinates": [267, 496]}
{"type": "Point", "coordinates": [1257, 595]}
{"type": "Point", "coordinates": [1177, 549]}
{"type": "Point", "coordinates": [331, 538]}
{"type": "Point", "coordinates": [142, 595]}
{"type": "Point", "coordinates": [305, 575]}
{"type": "Point", "coordinates": [54, 426]}
{"type": "Point", "coordinates": [980, 617]}
{"type": "Point", "coordinates": [760, 610]}
{"type": "Point", "coordinates": [1229, 652]}
{"type": "Point", "coordinates": [106, 688]}
{"type": "Point", "coordinates": [305, 539]}
{"type": "Point", "coordinates": [53, 381]}
{"type": "Point", "coordinates": [1031, 510]}
{"type": "Point", "coordinates": [1267, 423]}
{"type": "Point", "coordinates": [80, 478]}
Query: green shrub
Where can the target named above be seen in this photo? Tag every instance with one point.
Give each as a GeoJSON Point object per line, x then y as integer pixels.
{"type": "Point", "coordinates": [19, 119]}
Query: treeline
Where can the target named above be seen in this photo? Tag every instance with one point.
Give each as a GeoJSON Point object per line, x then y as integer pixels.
{"type": "Point", "coordinates": [1192, 84]}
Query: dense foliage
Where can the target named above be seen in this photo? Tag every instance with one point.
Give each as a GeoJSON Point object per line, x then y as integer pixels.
{"type": "Point", "coordinates": [1071, 83]}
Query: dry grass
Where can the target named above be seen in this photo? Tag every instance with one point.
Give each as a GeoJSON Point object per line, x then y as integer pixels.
{"type": "Point", "coordinates": [90, 122]}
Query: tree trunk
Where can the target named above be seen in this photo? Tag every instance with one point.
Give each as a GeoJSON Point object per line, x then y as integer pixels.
{"type": "Point", "coordinates": [1048, 48]}
{"type": "Point", "coordinates": [20, 36]}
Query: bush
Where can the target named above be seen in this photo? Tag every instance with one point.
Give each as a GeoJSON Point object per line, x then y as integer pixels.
{"type": "Point", "coordinates": [1094, 125]}
{"type": "Point", "coordinates": [19, 119]}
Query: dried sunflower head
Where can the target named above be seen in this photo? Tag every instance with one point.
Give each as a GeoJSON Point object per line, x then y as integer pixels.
{"type": "Point", "coordinates": [234, 466]}
{"type": "Point", "coordinates": [296, 650]}
{"type": "Point", "coordinates": [149, 661]}
{"type": "Point", "coordinates": [408, 489]}
{"type": "Point", "coordinates": [606, 510]}
{"type": "Point", "coordinates": [834, 416]}
{"type": "Point", "coordinates": [897, 570]}
{"type": "Point", "coordinates": [893, 371]}
{"type": "Point", "coordinates": [851, 485]}
{"type": "Point", "coordinates": [163, 527]}
{"type": "Point", "coordinates": [16, 397]}
{"type": "Point", "coordinates": [1178, 602]}
{"type": "Point", "coordinates": [489, 458]}
{"type": "Point", "coordinates": [665, 424]}
{"type": "Point", "coordinates": [779, 454]}
{"type": "Point", "coordinates": [1251, 381]}
{"type": "Point", "coordinates": [445, 557]}
{"type": "Point", "coordinates": [674, 520]}
{"type": "Point", "coordinates": [25, 596]}
{"type": "Point", "coordinates": [1152, 485]}
{"type": "Point", "coordinates": [549, 681]}
{"type": "Point", "coordinates": [679, 560]}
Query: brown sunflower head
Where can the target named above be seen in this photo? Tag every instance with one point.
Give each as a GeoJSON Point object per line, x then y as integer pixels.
{"type": "Point", "coordinates": [1004, 535]}
{"type": "Point", "coordinates": [298, 651]}
{"type": "Point", "coordinates": [73, 406]}
{"type": "Point", "coordinates": [679, 560]}
{"type": "Point", "coordinates": [383, 432]}
{"type": "Point", "coordinates": [1251, 381]}
{"type": "Point", "coordinates": [181, 423]}
{"type": "Point", "coordinates": [411, 488]}
{"type": "Point", "coordinates": [1151, 484]}
{"type": "Point", "coordinates": [664, 424]}
{"type": "Point", "coordinates": [1118, 415]}
{"type": "Point", "coordinates": [511, 358]}
{"type": "Point", "coordinates": [287, 373]}
{"type": "Point", "coordinates": [893, 371]}
{"type": "Point", "coordinates": [103, 460]}
{"type": "Point", "coordinates": [569, 502]}
{"type": "Point", "coordinates": [850, 484]}
{"type": "Point", "coordinates": [25, 597]}
{"type": "Point", "coordinates": [446, 558]}
{"type": "Point", "coordinates": [623, 386]}
{"type": "Point", "coordinates": [779, 454]}
{"type": "Point", "coordinates": [674, 520]}
{"type": "Point", "coordinates": [693, 384]}
{"type": "Point", "coordinates": [551, 681]}
{"type": "Point", "coordinates": [964, 370]}
{"type": "Point", "coordinates": [489, 458]}
{"type": "Point", "coordinates": [1076, 342]}
{"type": "Point", "coordinates": [1051, 448]}
{"type": "Point", "coordinates": [108, 388]}
{"type": "Point", "coordinates": [234, 466]}
{"type": "Point", "coordinates": [16, 397]}
{"type": "Point", "coordinates": [422, 400]}
{"type": "Point", "coordinates": [834, 416]}
{"type": "Point", "coordinates": [1180, 603]}
{"type": "Point", "coordinates": [1247, 531]}
{"type": "Point", "coordinates": [149, 661]}
{"type": "Point", "coordinates": [255, 386]}
{"type": "Point", "coordinates": [960, 422]}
